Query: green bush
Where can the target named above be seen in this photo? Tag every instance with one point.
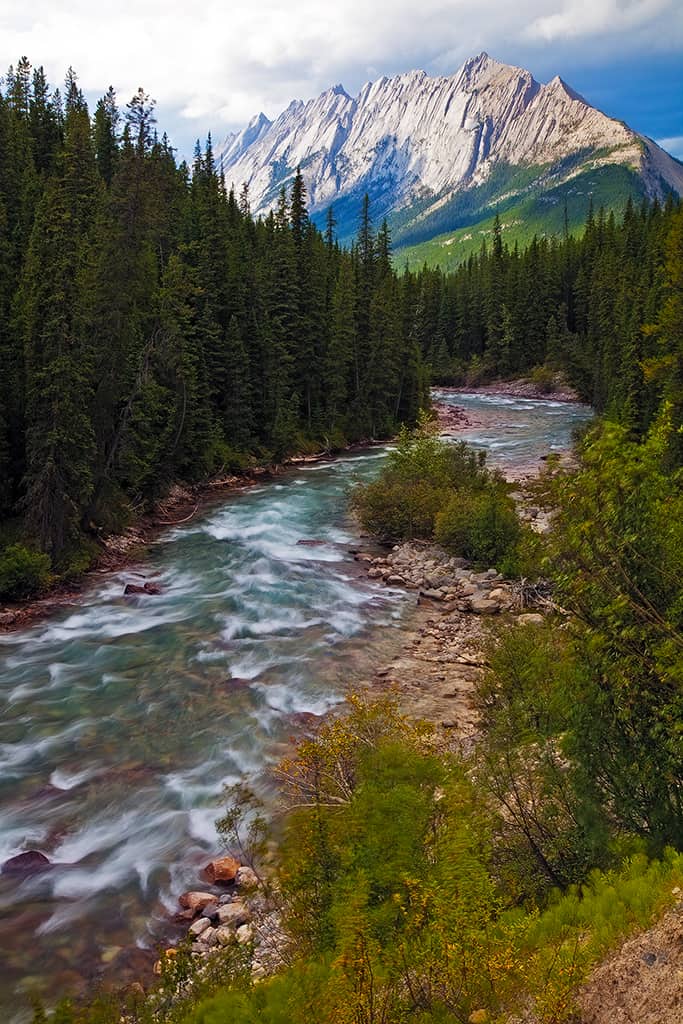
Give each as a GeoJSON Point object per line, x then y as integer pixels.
{"type": "Point", "coordinates": [525, 558]}
{"type": "Point", "coordinates": [419, 478]}
{"type": "Point", "coordinates": [483, 527]}
{"type": "Point", "coordinates": [544, 378]}
{"type": "Point", "coordinates": [23, 572]}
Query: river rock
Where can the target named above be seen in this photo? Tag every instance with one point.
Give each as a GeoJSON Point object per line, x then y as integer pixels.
{"type": "Point", "coordinates": [502, 596]}
{"type": "Point", "coordinates": [196, 901]}
{"type": "Point", "coordinates": [223, 869]}
{"type": "Point", "coordinates": [530, 619]}
{"type": "Point", "coordinates": [199, 926]}
{"type": "Point", "coordinates": [32, 862]}
{"type": "Point", "coordinates": [8, 618]}
{"type": "Point", "coordinates": [210, 911]}
{"type": "Point", "coordinates": [225, 936]}
{"type": "Point", "coordinates": [209, 937]}
{"type": "Point", "coordinates": [397, 580]}
{"type": "Point", "coordinates": [146, 588]}
{"type": "Point", "coordinates": [246, 878]}
{"type": "Point", "coordinates": [244, 934]}
{"type": "Point", "coordinates": [482, 605]}
{"type": "Point", "coordinates": [234, 914]}
{"type": "Point", "coordinates": [310, 543]}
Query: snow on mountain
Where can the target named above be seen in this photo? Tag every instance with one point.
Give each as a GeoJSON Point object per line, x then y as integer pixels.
{"type": "Point", "coordinates": [415, 139]}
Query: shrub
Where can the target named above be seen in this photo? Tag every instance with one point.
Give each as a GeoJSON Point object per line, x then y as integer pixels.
{"type": "Point", "coordinates": [544, 378]}
{"type": "Point", "coordinates": [483, 527]}
{"type": "Point", "coordinates": [23, 572]}
{"type": "Point", "coordinates": [416, 483]}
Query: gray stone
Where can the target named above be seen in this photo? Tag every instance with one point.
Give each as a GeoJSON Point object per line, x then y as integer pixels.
{"type": "Point", "coordinates": [246, 878]}
{"type": "Point", "coordinates": [234, 914]}
{"type": "Point", "coordinates": [198, 927]}
{"type": "Point", "coordinates": [530, 619]}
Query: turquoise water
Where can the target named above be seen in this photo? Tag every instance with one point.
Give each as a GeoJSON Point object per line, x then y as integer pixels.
{"type": "Point", "coordinates": [122, 719]}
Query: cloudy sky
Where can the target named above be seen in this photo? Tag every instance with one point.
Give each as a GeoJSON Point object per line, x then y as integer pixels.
{"type": "Point", "coordinates": [213, 67]}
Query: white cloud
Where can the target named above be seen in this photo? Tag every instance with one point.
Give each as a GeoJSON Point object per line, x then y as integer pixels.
{"type": "Point", "coordinates": [215, 65]}
{"type": "Point", "coordinates": [673, 145]}
{"type": "Point", "coordinates": [581, 18]}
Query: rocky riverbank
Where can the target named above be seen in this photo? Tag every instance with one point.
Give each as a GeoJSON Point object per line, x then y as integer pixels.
{"type": "Point", "coordinates": [522, 387]}
{"type": "Point", "coordinates": [458, 612]}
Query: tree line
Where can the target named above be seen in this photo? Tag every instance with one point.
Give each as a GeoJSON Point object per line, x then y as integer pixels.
{"type": "Point", "coordinates": [599, 307]}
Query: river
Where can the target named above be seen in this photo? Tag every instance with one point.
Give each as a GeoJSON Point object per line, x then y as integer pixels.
{"type": "Point", "coordinates": [122, 719]}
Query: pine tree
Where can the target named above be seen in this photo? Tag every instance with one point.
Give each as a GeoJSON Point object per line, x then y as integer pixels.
{"type": "Point", "coordinates": [60, 440]}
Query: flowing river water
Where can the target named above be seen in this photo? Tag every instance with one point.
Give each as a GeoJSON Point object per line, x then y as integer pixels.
{"type": "Point", "coordinates": [122, 719]}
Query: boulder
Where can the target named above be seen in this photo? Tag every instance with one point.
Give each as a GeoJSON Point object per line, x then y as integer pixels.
{"type": "Point", "coordinates": [32, 862]}
{"type": "Point", "coordinates": [199, 926]}
{"type": "Point", "coordinates": [246, 878]}
{"type": "Point", "coordinates": [196, 901]}
{"type": "Point", "coordinates": [310, 543]}
{"type": "Point", "coordinates": [233, 915]}
{"type": "Point", "coordinates": [223, 869]}
{"type": "Point", "coordinates": [8, 618]}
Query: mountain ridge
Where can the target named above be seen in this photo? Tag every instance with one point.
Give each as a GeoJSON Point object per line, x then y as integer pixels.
{"type": "Point", "coordinates": [417, 143]}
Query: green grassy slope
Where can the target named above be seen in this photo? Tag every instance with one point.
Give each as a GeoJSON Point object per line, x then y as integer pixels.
{"type": "Point", "coordinates": [540, 212]}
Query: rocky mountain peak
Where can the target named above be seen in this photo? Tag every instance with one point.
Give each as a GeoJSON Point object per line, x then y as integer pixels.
{"type": "Point", "coordinates": [413, 138]}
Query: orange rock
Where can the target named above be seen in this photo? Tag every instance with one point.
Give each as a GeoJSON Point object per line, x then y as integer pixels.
{"type": "Point", "coordinates": [167, 954]}
{"type": "Point", "coordinates": [196, 901]}
{"type": "Point", "coordinates": [223, 869]}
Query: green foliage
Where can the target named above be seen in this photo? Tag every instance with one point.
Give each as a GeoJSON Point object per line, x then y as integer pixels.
{"type": "Point", "coordinates": [23, 572]}
{"type": "Point", "coordinates": [617, 559]}
{"type": "Point", "coordinates": [482, 527]}
{"type": "Point", "coordinates": [433, 489]}
{"type": "Point", "coordinates": [417, 481]}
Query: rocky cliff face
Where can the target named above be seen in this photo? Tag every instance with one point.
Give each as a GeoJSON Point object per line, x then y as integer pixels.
{"type": "Point", "coordinates": [415, 142]}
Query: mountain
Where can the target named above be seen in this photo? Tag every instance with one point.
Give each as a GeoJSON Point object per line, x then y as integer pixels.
{"type": "Point", "coordinates": [442, 155]}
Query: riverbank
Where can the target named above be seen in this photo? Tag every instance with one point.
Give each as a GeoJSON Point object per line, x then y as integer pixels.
{"type": "Point", "coordinates": [520, 387]}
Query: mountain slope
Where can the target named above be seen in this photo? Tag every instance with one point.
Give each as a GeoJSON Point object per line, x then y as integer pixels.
{"type": "Point", "coordinates": [437, 154]}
